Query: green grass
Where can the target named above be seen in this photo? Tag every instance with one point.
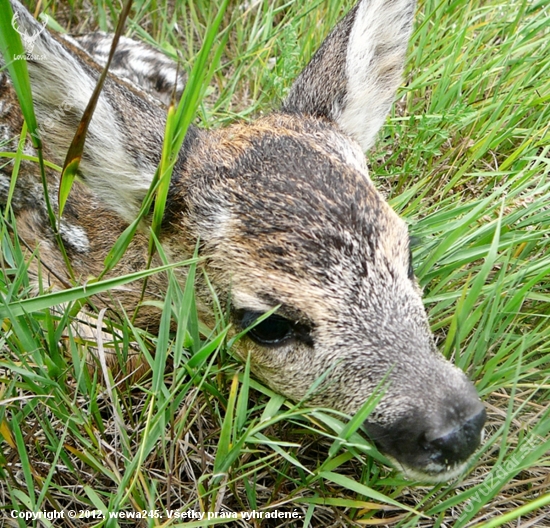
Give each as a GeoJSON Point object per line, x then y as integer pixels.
{"type": "Point", "coordinates": [464, 158]}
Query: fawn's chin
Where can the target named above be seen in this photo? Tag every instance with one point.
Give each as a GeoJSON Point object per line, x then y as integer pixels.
{"type": "Point", "coordinates": [432, 473]}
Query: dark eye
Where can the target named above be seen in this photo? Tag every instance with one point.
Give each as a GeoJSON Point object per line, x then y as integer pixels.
{"type": "Point", "coordinates": [274, 330]}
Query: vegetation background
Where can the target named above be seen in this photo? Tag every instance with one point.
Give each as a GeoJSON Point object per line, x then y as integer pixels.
{"type": "Point", "coordinates": [464, 158]}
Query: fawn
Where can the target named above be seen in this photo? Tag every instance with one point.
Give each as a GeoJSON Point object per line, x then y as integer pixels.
{"type": "Point", "coordinates": [286, 216]}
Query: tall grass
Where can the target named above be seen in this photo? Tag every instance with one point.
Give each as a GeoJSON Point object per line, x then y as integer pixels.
{"type": "Point", "coordinates": [464, 158]}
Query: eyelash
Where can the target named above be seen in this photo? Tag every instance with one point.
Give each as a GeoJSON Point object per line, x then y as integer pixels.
{"type": "Point", "coordinates": [275, 330]}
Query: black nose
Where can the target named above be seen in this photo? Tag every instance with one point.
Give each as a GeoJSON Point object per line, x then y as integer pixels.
{"type": "Point", "coordinates": [432, 447]}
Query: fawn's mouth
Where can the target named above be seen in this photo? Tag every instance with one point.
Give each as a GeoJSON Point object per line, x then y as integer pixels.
{"type": "Point", "coordinates": [430, 475]}
{"type": "Point", "coordinates": [427, 453]}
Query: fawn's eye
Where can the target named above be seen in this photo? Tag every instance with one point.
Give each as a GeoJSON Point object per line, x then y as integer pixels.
{"type": "Point", "coordinates": [275, 330]}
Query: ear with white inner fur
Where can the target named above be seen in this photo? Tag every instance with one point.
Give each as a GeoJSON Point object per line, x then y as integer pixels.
{"type": "Point", "coordinates": [124, 138]}
{"type": "Point", "coordinates": [353, 77]}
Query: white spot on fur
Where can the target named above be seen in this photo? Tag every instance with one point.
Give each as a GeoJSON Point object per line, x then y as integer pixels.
{"type": "Point", "coordinates": [242, 300]}
{"type": "Point", "coordinates": [75, 236]}
{"type": "Point", "coordinates": [5, 133]}
{"type": "Point", "coordinates": [4, 186]}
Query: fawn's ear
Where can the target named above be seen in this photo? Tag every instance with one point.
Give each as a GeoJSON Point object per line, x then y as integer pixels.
{"type": "Point", "coordinates": [353, 77]}
{"type": "Point", "coordinates": [124, 138]}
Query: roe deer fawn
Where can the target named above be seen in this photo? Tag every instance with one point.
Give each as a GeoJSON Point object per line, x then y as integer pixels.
{"type": "Point", "coordinates": [286, 216]}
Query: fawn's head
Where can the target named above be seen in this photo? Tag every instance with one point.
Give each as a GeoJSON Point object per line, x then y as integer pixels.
{"type": "Point", "coordinates": [289, 220]}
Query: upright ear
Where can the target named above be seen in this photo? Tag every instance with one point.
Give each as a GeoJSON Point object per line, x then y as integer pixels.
{"type": "Point", "coordinates": [353, 77]}
{"type": "Point", "coordinates": [124, 139]}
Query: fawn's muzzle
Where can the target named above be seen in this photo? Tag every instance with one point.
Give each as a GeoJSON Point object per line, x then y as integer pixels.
{"type": "Point", "coordinates": [433, 447]}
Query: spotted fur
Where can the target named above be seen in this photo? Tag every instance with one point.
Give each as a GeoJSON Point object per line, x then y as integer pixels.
{"type": "Point", "coordinates": [136, 63]}
{"type": "Point", "coordinates": [287, 218]}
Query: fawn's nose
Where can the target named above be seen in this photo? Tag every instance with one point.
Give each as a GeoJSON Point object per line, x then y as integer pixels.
{"type": "Point", "coordinates": [432, 446]}
{"type": "Point", "coordinates": [451, 447]}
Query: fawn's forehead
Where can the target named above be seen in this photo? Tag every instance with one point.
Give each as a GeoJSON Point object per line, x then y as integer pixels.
{"type": "Point", "coordinates": [296, 177]}
{"type": "Point", "coordinates": [303, 218]}
{"type": "Point", "coordinates": [300, 140]}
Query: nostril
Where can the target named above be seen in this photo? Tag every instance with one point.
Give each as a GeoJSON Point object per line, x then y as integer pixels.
{"type": "Point", "coordinates": [458, 444]}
